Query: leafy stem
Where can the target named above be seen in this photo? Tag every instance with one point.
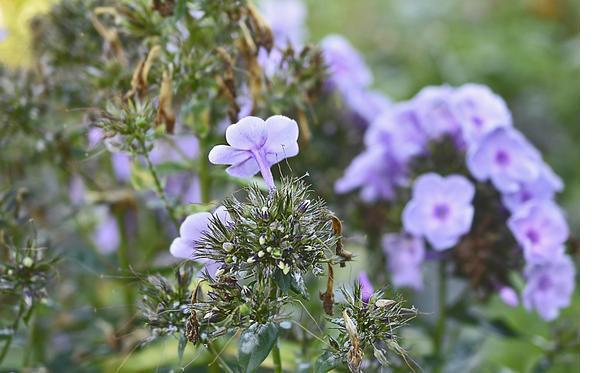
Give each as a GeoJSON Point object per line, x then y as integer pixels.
{"type": "Point", "coordinates": [9, 339]}
{"type": "Point", "coordinates": [159, 188]}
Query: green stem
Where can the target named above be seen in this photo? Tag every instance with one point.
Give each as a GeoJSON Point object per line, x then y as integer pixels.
{"type": "Point", "coordinates": [276, 357]}
{"type": "Point", "coordinates": [440, 328]}
{"type": "Point", "coordinates": [9, 339]}
{"type": "Point", "coordinates": [159, 188]}
{"type": "Point", "coordinates": [213, 348]}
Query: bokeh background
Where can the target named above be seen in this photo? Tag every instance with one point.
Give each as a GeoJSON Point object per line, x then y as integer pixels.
{"type": "Point", "coordinates": [525, 50]}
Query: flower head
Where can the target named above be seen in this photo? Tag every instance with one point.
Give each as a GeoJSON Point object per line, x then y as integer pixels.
{"type": "Point", "coordinates": [440, 209]}
{"type": "Point", "coordinates": [550, 284]}
{"type": "Point", "coordinates": [509, 296]}
{"type": "Point", "coordinates": [405, 254]}
{"type": "Point", "coordinates": [286, 19]}
{"type": "Point", "coordinates": [366, 288]}
{"type": "Point", "coordinates": [256, 145]}
{"type": "Point", "coordinates": [192, 230]}
{"type": "Point", "coordinates": [505, 157]}
{"type": "Point", "coordinates": [478, 110]}
{"type": "Point", "coordinates": [540, 228]}
{"type": "Point", "coordinates": [365, 105]}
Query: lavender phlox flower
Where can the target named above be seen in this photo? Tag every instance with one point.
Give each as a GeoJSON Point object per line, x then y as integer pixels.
{"type": "Point", "coordinates": [256, 145]}
{"type": "Point", "coordinates": [347, 69]}
{"type": "Point", "coordinates": [550, 284]}
{"type": "Point", "coordinates": [286, 19]}
{"type": "Point", "coordinates": [440, 210]}
{"type": "Point", "coordinates": [365, 105]}
{"type": "Point", "coordinates": [544, 187]}
{"type": "Point", "coordinates": [376, 172]}
{"type": "Point", "coordinates": [404, 257]}
{"type": "Point", "coordinates": [397, 130]}
{"type": "Point", "coordinates": [433, 110]}
{"type": "Point", "coordinates": [121, 163]}
{"type": "Point", "coordinates": [192, 230]}
{"type": "Point", "coordinates": [479, 111]}
{"type": "Point", "coordinates": [77, 190]}
{"type": "Point", "coordinates": [505, 157]}
{"type": "Point", "coordinates": [366, 288]}
{"type": "Point", "coordinates": [540, 228]}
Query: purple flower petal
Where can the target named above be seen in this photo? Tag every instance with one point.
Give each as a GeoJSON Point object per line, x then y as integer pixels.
{"type": "Point", "coordinates": [250, 133]}
{"type": "Point", "coordinates": [282, 138]}
{"type": "Point", "coordinates": [194, 226]}
{"type": "Point", "coordinates": [247, 168]}
{"type": "Point", "coordinates": [225, 154]}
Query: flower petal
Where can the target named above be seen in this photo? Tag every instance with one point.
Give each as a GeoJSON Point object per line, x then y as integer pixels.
{"type": "Point", "coordinates": [282, 137]}
{"type": "Point", "coordinates": [225, 154]}
{"type": "Point", "coordinates": [222, 214]}
{"type": "Point", "coordinates": [194, 226]}
{"type": "Point", "coordinates": [182, 248]}
{"type": "Point", "coordinates": [247, 134]}
{"type": "Point", "coordinates": [247, 168]}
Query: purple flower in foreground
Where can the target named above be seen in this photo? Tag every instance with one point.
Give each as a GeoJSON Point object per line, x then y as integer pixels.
{"type": "Point", "coordinates": [549, 287]}
{"type": "Point", "coordinates": [540, 228]}
{"type": "Point", "coordinates": [376, 172]}
{"type": "Point", "coordinates": [346, 67]}
{"type": "Point", "coordinates": [398, 130]}
{"type": "Point", "coordinates": [509, 296]}
{"type": "Point", "coordinates": [366, 289]}
{"type": "Point", "coordinates": [432, 107]}
{"type": "Point", "coordinates": [256, 145]}
{"type": "Point", "coordinates": [107, 236]}
{"type": "Point", "coordinates": [191, 231]}
{"type": "Point", "coordinates": [405, 254]}
{"type": "Point", "coordinates": [478, 110]}
{"type": "Point", "coordinates": [542, 188]}
{"type": "Point", "coordinates": [440, 209]}
{"type": "Point", "coordinates": [505, 157]}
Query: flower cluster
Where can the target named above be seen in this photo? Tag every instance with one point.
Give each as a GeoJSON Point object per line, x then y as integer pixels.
{"type": "Point", "coordinates": [487, 153]}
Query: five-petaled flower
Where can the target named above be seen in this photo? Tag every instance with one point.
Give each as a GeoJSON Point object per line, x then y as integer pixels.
{"type": "Point", "coordinates": [440, 209]}
{"type": "Point", "coordinates": [405, 254]}
{"type": "Point", "coordinates": [256, 145]}
{"type": "Point", "coordinates": [540, 228]}
{"type": "Point", "coordinates": [192, 230]}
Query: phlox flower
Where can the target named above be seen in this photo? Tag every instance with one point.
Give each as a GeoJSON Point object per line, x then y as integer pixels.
{"type": "Point", "coordinates": [506, 158]}
{"type": "Point", "coordinates": [550, 284]}
{"type": "Point", "coordinates": [405, 255]}
{"type": "Point", "coordinates": [509, 296]}
{"type": "Point", "coordinates": [440, 209]}
{"type": "Point", "coordinates": [478, 111]}
{"type": "Point", "coordinates": [347, 69]}
{"type": "Point", "coordinates": [286, 19]}
{"type": "Point", "coordinates": [192, 230]}
{"type": "Point", "coordinates": [434, 113]}
{"type": "Point", "coordinates": [544, 187]}
{"type": "Point", "coordinates": [106, 236]}
{"type": "Point", "coordinates": [376, 172]}
{"type": "Point", "coordinates": [256, 145]}
{"type": "Point", "coordinates": [540, 228]}
{"type": "Point", "coordinates": [365, 105]}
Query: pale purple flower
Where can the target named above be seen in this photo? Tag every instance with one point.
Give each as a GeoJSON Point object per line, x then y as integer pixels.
{"type": "Point", "coordinates": [376, 173]}
{"type": "Point", "coordinates": [433, 110]}
{"type": "Point", "coordinates": [506, 158]}
{"type": "Point", "coordinates": [366, 289]}
{"type": "Point", "coordinates": [509, 296]}
{"type": "Point", "coordinates": [398, 130]}
{"type": "Point", "coordinates": [286, 19]}
{"type": "Point", "coordinates": [540, 228]}
{"type": "Point", "coordinates": [106, 235]}
{"type": "Point", "coordinates": [405, 255]}
{"type": "Point", "coordinates": [192, 230]}
{"type": "Point", "coordinates": [479, 111]}
{"type": "Point", "coordinates": [256, 145]}
{"type": "Point", "coordinates": [544, 187]}
{"type": "Point", "coordinates": [95, 136]}
{"type": "Point", "coordinates": [550, 284]}
{"type": "Point", "coordinates": [440, 209]}
{"type": "Point", "coordinates": [347, 69]}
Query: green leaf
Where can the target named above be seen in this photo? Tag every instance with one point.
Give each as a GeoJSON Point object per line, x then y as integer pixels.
{"type": "Point", "coordinates": [180, 9]}
{"type": "Point", "coordinates": [298, 285]}
{"type": "Point", "coordinates": [255, 345]}
{"type": "Point", "coordinates": [284, 282]}
{"type": "Point", "coordinates": [326, 362]}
